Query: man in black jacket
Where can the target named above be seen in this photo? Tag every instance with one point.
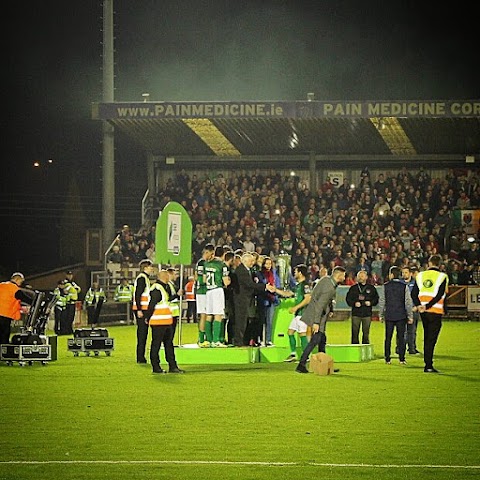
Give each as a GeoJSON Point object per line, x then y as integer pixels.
{"type": "Point", "coordinates": [361, 297]}
{"type": "Point", "coordinates": [396, 309]}
{"type": "Point", "coordinates": [244, 292]}
{"type": "Point", "coordinates": [141, 299]}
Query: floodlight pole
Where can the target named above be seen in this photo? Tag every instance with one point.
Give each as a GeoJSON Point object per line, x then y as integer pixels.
{"type": "Point", "coordinates": [108, 172]}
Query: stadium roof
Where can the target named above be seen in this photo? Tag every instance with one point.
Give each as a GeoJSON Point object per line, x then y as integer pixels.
{"type": "Point", "coordinates": [396, 129]}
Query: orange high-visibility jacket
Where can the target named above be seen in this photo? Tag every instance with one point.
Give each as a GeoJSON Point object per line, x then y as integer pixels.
{"type": "Point", "coordinates": [162, 314]}
{"type": "Point", "coordinates": [145, 300]}
{"type": "Point", "coordinates": [9, 305]}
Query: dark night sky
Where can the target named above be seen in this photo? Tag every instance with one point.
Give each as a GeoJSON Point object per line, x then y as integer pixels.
{"type": "Point", "coordinates": [197, 50]}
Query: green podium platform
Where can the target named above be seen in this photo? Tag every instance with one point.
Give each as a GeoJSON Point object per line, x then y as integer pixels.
{"type": "Point", "coordinates": [350, 353]}
{"type": "Point", "coordinates": [281, 322]}
{"type": "Point", "coordinates": [192, 354]}
{"type": "Point", "coordinates": [340, 353]}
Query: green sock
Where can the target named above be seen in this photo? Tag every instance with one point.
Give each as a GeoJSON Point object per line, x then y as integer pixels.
{"type": "Point", "coordinates": [217, 327]}
{"type": "Point", "coordinates": [208, 331]}
{"type": "Point", "coordinates": [201, 336]}
{"type": "Point", "coordinates": [293, 343]}
{"type": "Point", "coordinates": [303, 342]}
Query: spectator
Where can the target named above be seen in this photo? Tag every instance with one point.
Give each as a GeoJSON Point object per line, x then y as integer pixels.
{"type": "Point", "coordinates": [115, 256]}
{"type": "Point", "coordinates": [463, 201]}
{"type": "Point", "coordinates": [248, 245]}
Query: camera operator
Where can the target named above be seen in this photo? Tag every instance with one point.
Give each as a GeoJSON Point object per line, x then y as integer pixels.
{"type": "Point", "coordinates": [11, 298]}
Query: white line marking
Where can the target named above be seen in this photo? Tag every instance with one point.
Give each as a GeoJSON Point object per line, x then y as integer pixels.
{"type": "Point", "coordinates": [221, 462]}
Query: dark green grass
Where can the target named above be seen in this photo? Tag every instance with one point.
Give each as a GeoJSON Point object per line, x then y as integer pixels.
{"type": "Point", "coordinates": [109, 409]}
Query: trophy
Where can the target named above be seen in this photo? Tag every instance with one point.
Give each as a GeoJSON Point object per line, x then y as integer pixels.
{"type": "Point", "coordinates": [283, 267]}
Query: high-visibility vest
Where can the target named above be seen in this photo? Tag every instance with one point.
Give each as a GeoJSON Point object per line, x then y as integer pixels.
{"type": "Point", "coordinates": [61, 299]}
{"type": "Point", "coordinates": [123, 293]}
{"type": "Point", "coordinates": [162, 314]}
{"type": "Point", "coordinates": [10, 306]}
{"type": "Point", "coordinates": [190, 291]}
{"type": "Point", "coordinates": [428, 283]}
{"type": "Point", "coordinates": [92, 296]}
{"type": "Point", "coordinates": [145, 298]}
{"type": "Point", "coordinates": [174, 304]}
{"type": "Point", "coordinates": [72, 290]}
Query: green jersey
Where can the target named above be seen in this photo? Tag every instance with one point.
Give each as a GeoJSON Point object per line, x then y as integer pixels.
{"type": "Point", "coordinates": [301, 289]}
{"type": "Point", "coordinates": [201, 286]}
{"type": "Point", "coordinates": [215, 270]}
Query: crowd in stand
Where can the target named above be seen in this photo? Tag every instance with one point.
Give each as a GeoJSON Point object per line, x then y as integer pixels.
{"type": "Point", "coordinates": [396, 218]}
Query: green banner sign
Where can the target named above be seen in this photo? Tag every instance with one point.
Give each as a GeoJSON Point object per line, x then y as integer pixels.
{"type": "Point", "coordinates": [173, 236]}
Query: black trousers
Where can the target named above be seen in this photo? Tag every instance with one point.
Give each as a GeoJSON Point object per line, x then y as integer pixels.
{"type": "Point", "coordinates": [241, 320]}
{"type": "Point", "coordinates": [254, 329]}
{"type": "Point", "coordinates": [401, 326]}
{"type": "Point", "coordinates": [91, 314]}
{"type": "Point", "coordinates": [363, 322]}
{"type": "Point", "coordinates": [5, 329]}
{"type": "Point", "coordinates": [66, 327]}
{"type": "Point", "coordinates": [174, 327]}
{"type": "Point", "coordinates": [432, 324]}
{"type": "Point", "coordinates": [142, 334]}
{"type": "Point", "coordinates": [230, 320]}
{"type": "Point", "coordinates": [162, 334]}
{"type": "Point", "coordinates": [59, 314]}
{"type": "Point", "coordinates": [319, 340]}
{"type": "Point", "coordinates": [192, 311]}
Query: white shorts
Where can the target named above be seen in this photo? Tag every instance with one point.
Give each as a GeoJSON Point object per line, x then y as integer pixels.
{"type": "Point", "coordinates": [297, 325]}
{"type": "Point", "coordinates": [201, 300]}
{"type": "Point", "coordinates": [215, 302]}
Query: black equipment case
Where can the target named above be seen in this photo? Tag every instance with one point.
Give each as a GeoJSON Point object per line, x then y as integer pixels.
{"type": "Point", "coordinates": [90, 340]}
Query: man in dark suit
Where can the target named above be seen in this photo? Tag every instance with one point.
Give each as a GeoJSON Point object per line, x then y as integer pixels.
{"type": "Point", "coordinates": [316, 312]}
{"type": "Point", "coordinates": [244, 292]}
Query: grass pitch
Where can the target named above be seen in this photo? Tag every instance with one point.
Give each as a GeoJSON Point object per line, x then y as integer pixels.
{"type": "Point", "coordinates": [109, 418]}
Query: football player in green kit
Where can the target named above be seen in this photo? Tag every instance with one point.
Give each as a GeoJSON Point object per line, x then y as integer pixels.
{"type": "Point", "coordinates": [216, 276]}
{"type": "Point", "coordinates": [201, 292]}
{"type": "Point", "coordinates": [302, 298]}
